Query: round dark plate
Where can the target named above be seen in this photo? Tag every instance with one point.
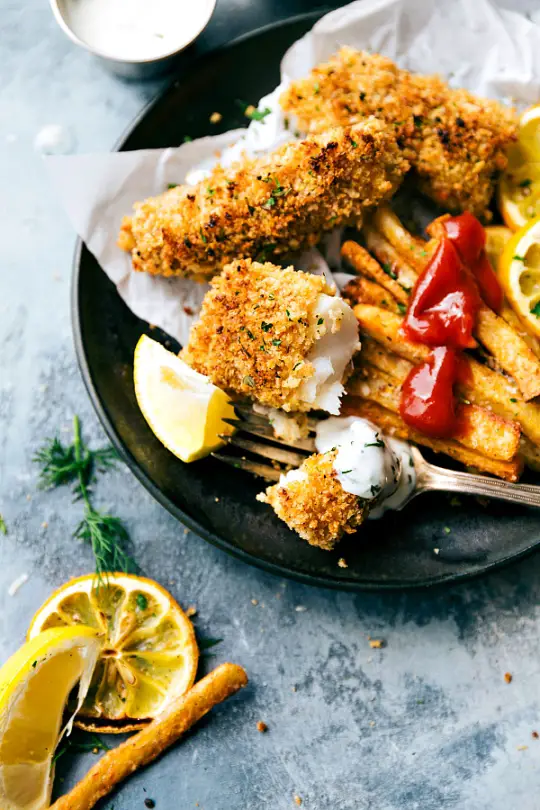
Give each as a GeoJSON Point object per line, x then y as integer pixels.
{"type": "Point", "coordinates": [218, 502]}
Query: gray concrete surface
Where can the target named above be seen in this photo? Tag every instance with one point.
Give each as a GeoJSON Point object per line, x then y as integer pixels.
{"type": "Point", "coordinates": [428, 722]}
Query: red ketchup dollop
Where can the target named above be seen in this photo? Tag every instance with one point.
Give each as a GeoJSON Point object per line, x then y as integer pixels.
{"type": "Point", "coordinates": [469, 238]}
{"type": "Point", "coordinates": [442, 315]}
{"type": "Point", "coordinates": [444, 302]}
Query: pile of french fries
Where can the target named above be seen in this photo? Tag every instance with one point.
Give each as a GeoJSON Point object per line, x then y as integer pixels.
{"type": "Point", "coordinates": [499, 414]}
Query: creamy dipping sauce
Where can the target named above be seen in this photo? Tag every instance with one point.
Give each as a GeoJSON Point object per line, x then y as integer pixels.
{"type": "Point", "coordinates": [136, 29]}
{"type": "Point", "coordinates": [368, 464]}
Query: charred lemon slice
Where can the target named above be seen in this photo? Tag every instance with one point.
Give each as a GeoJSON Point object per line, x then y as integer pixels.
{"type": "Point", "coordinates": [149, 654]}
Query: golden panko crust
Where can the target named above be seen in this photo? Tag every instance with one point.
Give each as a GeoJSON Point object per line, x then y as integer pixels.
{"type": "Point", "coordinates": [454, 140]}
{"type": "Point", "coordinates": [254, 332]}
{"type": "Point", "coordinates": [317, 508]}
{"type": "Point", "coordinates": [268, 206]}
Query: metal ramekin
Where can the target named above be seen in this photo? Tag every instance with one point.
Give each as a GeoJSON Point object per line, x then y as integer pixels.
{"type": "Point", "coordinates": [128, 69]}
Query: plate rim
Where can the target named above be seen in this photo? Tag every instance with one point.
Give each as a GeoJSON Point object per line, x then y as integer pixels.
{"type": "Point", "coordinates": [321, 581]}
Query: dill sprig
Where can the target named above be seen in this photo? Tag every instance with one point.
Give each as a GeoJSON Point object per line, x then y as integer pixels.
{"type": "Point", "coordinates": [78, 465]}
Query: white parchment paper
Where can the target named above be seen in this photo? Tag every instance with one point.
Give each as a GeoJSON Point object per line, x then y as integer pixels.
{"type": "Point", "coordinates": [472, 43]}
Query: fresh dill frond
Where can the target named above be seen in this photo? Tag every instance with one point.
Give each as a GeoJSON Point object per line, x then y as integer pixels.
{"type": "Point", "coordinates": [107, 536]}
{"type": "Point", "coordinates": [76, 464]}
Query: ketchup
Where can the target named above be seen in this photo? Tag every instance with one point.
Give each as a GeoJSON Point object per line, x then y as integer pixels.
{"type": "Point", "coordinates": [444, 302]}
{"type": "Point", "coordinates": [469, 238]}
{"type": "Point", "coordinates": [427, 398]}
{"type": "Point", "coordinates": [442, 314]}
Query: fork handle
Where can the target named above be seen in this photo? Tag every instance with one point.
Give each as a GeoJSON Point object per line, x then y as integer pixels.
{"type": "Point", "coordinates": [437, 478]}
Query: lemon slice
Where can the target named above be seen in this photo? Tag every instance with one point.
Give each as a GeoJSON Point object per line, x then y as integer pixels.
{"type": "Point", "coordinates": [183, 408]}
{"type": "Point", "coordinates": [149, 653]}
{"type": "Point", "coordinates": [519, 273]}
{"type": "Point", "coordinates": [34, 687]}
{"type": "Point", "coordinates": [519, 187]}
{"type": "Point", "coordinates": [497, 237]}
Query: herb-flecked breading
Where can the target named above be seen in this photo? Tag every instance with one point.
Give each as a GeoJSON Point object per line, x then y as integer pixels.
{"type": "Point", "coordinates": [266, 206]}
{"type": "Point", "coordinates": [315, 505]}
{"type": "Point", "coordinates": [455, 141]}
{"type": "Point", "coordinates": [255, 331]}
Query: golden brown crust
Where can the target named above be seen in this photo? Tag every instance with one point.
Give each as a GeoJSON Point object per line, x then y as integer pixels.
{"type": "Point", "coordinates": [455, 141]}
{"type": "Point", "coordinates": [137, 751]}
{"type": "Point", "coordinates": [254, 332]}
{"type": "Point", "coordinates": [267, 206]}
{"type": "Point", "coordinates": [317, 508]}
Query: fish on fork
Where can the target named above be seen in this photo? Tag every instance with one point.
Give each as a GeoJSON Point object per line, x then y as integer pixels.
{"type": "Point", "coordinates": [306, 484]}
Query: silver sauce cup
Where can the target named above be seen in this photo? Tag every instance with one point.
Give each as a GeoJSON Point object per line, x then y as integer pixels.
{"type": "Point", "coordinates": [128, 68]}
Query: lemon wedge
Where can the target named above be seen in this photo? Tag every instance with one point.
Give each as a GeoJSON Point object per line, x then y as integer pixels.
{"type": "Point", "coordinates": [149, 654]}
{"type": "Point", "coordinates": [34, 687]}
{"type": "Point", "coordinates": [183, 408]}
{"type": "Point", "coordinates": [519, 187]}
{"type": "Point", "coordinates": [519, 273]}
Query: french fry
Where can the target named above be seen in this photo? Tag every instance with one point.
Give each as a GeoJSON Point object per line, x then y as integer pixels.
{"type": "Point", "coordinates": [484, 387]}
{"type": "Point", "coordinates": [143, 747]}
{"type": "Point", "coordinates": [394, 425]}
{"type": "Point", "coordinates": [361, 290]}
{"type": "Point", "coordinates": [479, 429]}
{"type": "Point", "coordinates": [530, 453]}
{"type": "Point", "coordinates": [416, 251]}
{"type": "Point", "coordinates": [384, 327]}
{"type": "Point", "coordinates": [510, 350]}
{"type": "Point", "coordinates": [366, 265]}
{"type": "Point", "coordinates": [378, 356]}
{"type": "Point", "coordinates": [390, 258]}
{"type": "Point", "coordinates": [512, 319]}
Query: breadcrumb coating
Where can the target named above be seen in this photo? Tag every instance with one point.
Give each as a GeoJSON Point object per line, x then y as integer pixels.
{"type": "Point", "coordinates": [268, 206]}
{"type": "Point", "coordinates": [454, 140]}
{"type": "Point", "coordinates": [313, 503]}
{"type": "Point", "coordinates": [256, 329]}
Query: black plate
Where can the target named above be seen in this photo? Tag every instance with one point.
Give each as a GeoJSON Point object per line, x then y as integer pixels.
{"type": "Point", "coordinates": [218, 502]}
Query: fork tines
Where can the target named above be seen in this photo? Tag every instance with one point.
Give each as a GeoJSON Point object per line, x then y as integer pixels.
{"type": "Point", "coordinates": [251, 427]}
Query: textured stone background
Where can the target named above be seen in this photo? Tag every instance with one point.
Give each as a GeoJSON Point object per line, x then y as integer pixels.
{"type": "Point", "coordinates": [428, 722]}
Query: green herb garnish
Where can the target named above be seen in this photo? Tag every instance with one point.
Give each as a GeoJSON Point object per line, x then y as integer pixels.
{"type": "Point", "coordinates": [517, 258]}
{"type": "Point", "coordinates": [3, 527]}
{"type": "Point", "coordinates": [142, 601]}
{"type": "Point", "coordinates": [266, 326]}
{"type": "Point", "coordinates": [78, 465]}
{"type": "Point", "coordinates": [249, 381]}
{"type": "Point", "coordinates": [388, 270]}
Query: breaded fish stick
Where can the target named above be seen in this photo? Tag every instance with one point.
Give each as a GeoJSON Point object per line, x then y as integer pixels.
{"type": "Point", "coordinates": [454, 140]}
{"type": "Point", "coordinates": [278, 336]}
{"type": "Point", "coordinates": [313, 503]}
{"type": "Point", "coordinates": [268, 206]}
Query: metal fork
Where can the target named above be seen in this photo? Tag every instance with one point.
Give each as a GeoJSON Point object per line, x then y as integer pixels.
{"type": "Point", "coordinates": [255, 437]}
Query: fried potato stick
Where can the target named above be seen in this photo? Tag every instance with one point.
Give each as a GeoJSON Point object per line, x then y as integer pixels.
{"type": "Point", "coordinates": [148, 744]}
{"type": "Point", "coordinates": [394, 425]}
{"type": "Point", "coordinates": [485, 387]}
{"type": "Point", "coordinates": [366, 265]}
{"type": "Point", "coordinates": [360, 290]}
{"type": "Point", "coordinates": [479, 429]}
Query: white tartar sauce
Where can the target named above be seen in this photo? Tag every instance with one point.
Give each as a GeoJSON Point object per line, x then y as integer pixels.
{"type": "Point", "coordinates": [136, 29]}
{"type": "Point", "coordinates": [368, 464]}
